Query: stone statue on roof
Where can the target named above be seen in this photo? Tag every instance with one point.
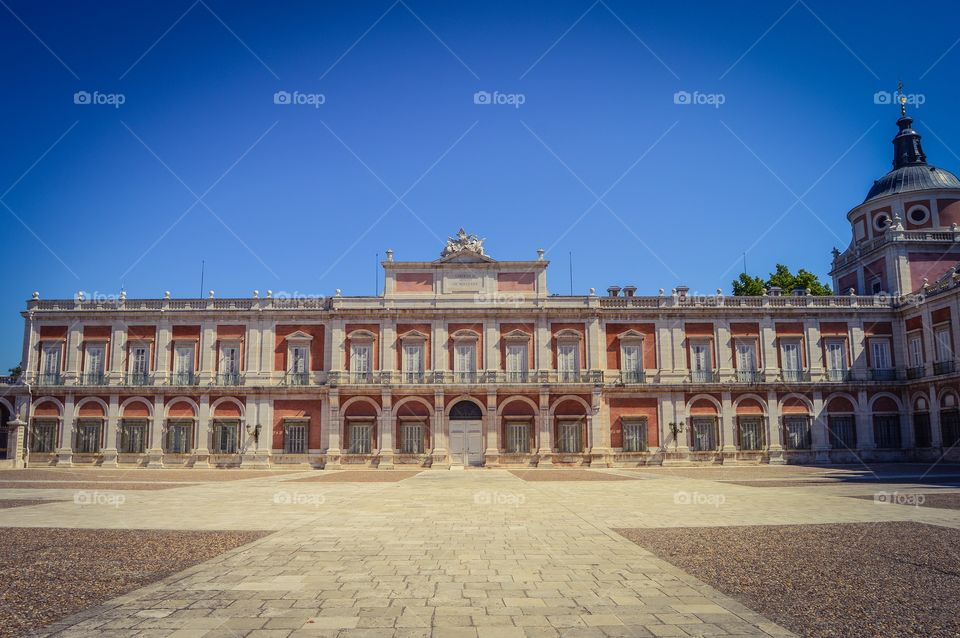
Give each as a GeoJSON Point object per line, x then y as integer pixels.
{"type": "Point", "coordinates": [463, 241]}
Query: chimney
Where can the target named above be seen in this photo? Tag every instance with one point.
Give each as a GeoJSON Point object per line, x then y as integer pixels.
{"type": "Point", "coordinates": [629, 291]}
{"type": "Point", "coordinates": [613, 291]}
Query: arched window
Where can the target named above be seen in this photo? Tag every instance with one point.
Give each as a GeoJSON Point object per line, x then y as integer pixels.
{"type": "Point", "coordinates": [465, 410]}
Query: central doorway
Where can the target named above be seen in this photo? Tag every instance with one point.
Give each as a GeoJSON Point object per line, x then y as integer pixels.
{"type": "Point", "coordinates": [466, 434]}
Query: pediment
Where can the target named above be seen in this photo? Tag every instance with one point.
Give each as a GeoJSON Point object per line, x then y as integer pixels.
{"type": "Point", "coordinates": [517, 334]}
{"type": "Point", "coordinates": [465, 334]}
{"type": "Point", "coordinates": [299, 335]}
{"type": "Point", "coordinates": [465, 256]}
{"type": "Point", "coordinates": [361, 335]}
{"type": "Point", "coordinates": [414, 335]}
{"type": "Point", "coordinates": [630, 335]}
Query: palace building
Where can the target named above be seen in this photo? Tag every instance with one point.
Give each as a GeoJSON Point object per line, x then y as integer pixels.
{"type": "Point", "coordinates": [468, 360]}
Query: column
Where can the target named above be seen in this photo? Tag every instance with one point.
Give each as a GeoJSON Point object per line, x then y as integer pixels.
{"type": "Point", "coordinates": [543, 358]}
{"type": "Point", "coordinates": [438, 347]}
{"type": "Point", "coordinates": [111, 442]}
{"type": "Point", "coordinates": [864, 422]}
{"type": "Point", "coordinates": [724, 350]}
{"type": "Point", "coordinates": [333, 427]}
{"type": "Point", "coordinates": [726, 424]}
{"type": "Point", "coordinates": [682, 442]}
{"type": "Point", "coordinates": [65, 451]}
{"type": "Point", "coordinates": [203, 431]}
{"type": "Point", "coordinates": [907, 439]}
{"type": "Point", "coordinates": [439, 438]}
{"type": "Point", "coordinates": [389, 346]}
{"type": "Point", "coordinates": [857, 346]}
{"type": "Point", "coordinates": [208, 351]}
{"type": "Point", "coordinates": [679, 350]}
{"type": "Point", "coordinates": [545, 451]}
{"type": "Point", "coordinates": [491, 346]}
{"type": "Point", "coordinates": [74, 342]}
{"type": "Point", "coordinates": [387, 426]}
{"type": "Point", "coordinates": [492, 425]}
{"type": "Point", "coordinates": [337, 352]}
{"type": "Point", "coordinates": [936, 430]}
{"type": "Point", "coordinates": [774, 430]}
{"type": "Point", "coordinates": [599, 445]}
{"type": "Point", "coordinates": [819, 435]}
{"type": "Point", "coordinates": [118, 347]}
{"type": "Point", "coordinates": [155, 451]}
{"type": "Point", "coordinates": [768, 344]}
{"type": "Point", "coordinates": [164, 335]}
{"type": "Point", "coordinates": [929, 353]}
{"type": "Point", "coordinates": [811, 330]}
{"type": "Point", "coordinates": [595, 346]}
{"type": "Point", "coordinates": [666, 363]}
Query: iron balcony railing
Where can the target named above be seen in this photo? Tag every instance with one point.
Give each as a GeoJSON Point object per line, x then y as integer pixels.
{"type": "Point", "coordinates": [632, 376]}
{"type": "Point", "coordinates": [229, 378]}
{"type": "Point", "coordinates": [704, 376]}
{"type": "Point", "coordinates": [915, 372]}
{"type": "Point", "coordinates": [50, 378]}
{"type": "Point", "coordinates": [794, 376]}
{"type": "Point", "coordinates": [297, 378]}
{"type": "Point", "coordinates": [944, 367]}
{"type": "Point", "coordinates": [138, 379]}
{"type": "Point", "coordinates": [93, 378]}
{"type": "Point", "coordinates": [749, 376]}
{"type": "Point", "coordinates": [837, 375]}
{"type": "Point", "coordinates": [183, 378]}
{"type": "Point", "coordinates": [883, 374]}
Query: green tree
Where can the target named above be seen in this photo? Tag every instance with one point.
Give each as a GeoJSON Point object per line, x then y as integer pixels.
{"type": "Point", "coordinates": [16, 372]}
{"type": "Point", "coordinates": [782, 278]}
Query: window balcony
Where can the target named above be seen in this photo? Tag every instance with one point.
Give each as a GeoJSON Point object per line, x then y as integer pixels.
{"type": "Point", "coordinates": [517, 377]}
{"type": "Point", "coordinates": [749, 376]}
{"type": "Point", "coordinates": [795, 376]}
{"type": "Point", "coordinates": [297, 378]}
{"type": "Point", "coordinates": [93, 378]}
{"type": "Point", "coordinates": [413, 378]}
{"type": "Point", "coordinates": [944, 367]}
{"type": "Point", "coordinates": [138, 379]}
{"type": "Point", "coordinates": [362, 378]}
{"type": "Point", "coordinates": [704, 376]}
{"type": "Point", "coordinates": [229, 378]}
{"type": "Point", "coordinates": [632, 376]}
{"type": "Point", "coordinates": [469, 376]}
{"type": "Point", "coordinates": [183, 378]}
{"type": "Point", "coordinates": [883, 374]}
{"type": "Point", "coordinates": [838, 375]}
{"type": "Point", "coordinates": [915, 372]}
{"type": "Point", "coordinates": [50, 378]}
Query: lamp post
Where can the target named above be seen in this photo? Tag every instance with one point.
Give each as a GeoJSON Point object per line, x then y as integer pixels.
{"type": "Point", "coordinates": [676, 428]}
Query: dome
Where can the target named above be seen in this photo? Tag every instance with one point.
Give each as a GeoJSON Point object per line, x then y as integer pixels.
{"type": "Point", "coordinates": [912, 178]}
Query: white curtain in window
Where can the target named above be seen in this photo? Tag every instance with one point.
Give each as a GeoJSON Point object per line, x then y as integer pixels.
{"type": "Point", "coordinates": [880, 348]}
{"type": "Point", "coordinates": [230, 359]}
{"type": "Point", "coordinates": [413, 358]}
{"type": "Point", "coordinates": [916, 352]}
{"type": "Point", "coordinates": [835, 358]}
{"type": "Point", "coordinates": [632, 360]}
{"type": "Point", "coordinates": [95, 356]}
{"type": "Point", "coordinates": [567, 357]}
{"type": "Point", "coordinates": [791, 356]}
{"type": "Point", "coordinates": [51, 358]}
{"type": "Point", "coordinates": [517, 358]}
{"type": "Point", "coordinates": [701, 357]}
{"type": "Point", "coordinates": [746, 356]}
{"type": "Point", "coordinates": [944, 349]}
{"type": "Point", "coordinates": [360, 358]}
{"type": "Point", "coordinates": [138, 360]}
{"type": "Point", "coordinates": [183, 362]}
{"type": "Point", "coordinates": [465, 357]}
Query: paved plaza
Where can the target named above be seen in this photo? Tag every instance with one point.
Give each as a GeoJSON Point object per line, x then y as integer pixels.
{"type": "Point", "coordinates": [451, 553]}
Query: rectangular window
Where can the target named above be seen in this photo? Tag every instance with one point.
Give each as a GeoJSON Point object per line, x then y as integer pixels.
{"type": "Point", "coordinates": [411, 438]}
{"type": "Point", "coordinates": [518, 437]}
{"type": "Point", "coordinates": [361, 438]}
{"type": "Point", "coordinates": [797, 432]}
{"type": "Point", "coordinates": [230, 360]}
{"type": "Point", "coordinates": [361, 361]}
{"type": "Point", "coordinates": [790, 356]}
{"type": "Point", "coordinates": [52, 362]}
{"type": "Point", "coordinates": [634, 435]}
{"type": "Point", "coordinates": [465, 361]}
{"type": "Point", "coordinates": [94, 364]}
{"type": "Point", "coordinates": [295, 437]}
{"type": "Point", "coordinates": [88, 436]}
{"type": "Point", "coordinates": [44, 435]}
{"type": "Point", "coordinates": [225, 437]}
{"type": "Point", "coordinates": [631, 366]}
{"type": "Point", "coordinates": [569, 438]}
{"type": "Point", "coordinates": [299, 358]}
{"type": "Point", "coordinates": [916, 351]}
{"type": "Point", "coordinates": [183, 365]}
{"type": "Point", "coordinates": [880, 352]}
{"type": "Point", "coordinates": [944, 345]}
{"type": "Point", "coordinates": [179, 437]}
{"type": "Point", "coordinates": [704, 433]}
{"type": "Point", "coordinates": [746, 355]}
{"type": "Point", "coordinates": [843, 432]}
{"type": "Point", "coordinates": [413, 363]}
{"type": "Point", "coordinates": [139, 364]}
{"type": "Point", "coordinates": [133, 437]}
{"type": "Point", "coordinates": [516, 361]}
{"type": "Point", "coordinates": [835, 356]}
{"type": "Point", "coordinates": [886, 430]}
{"type": "Point", "coordinates": [701, 362]}
{"type": "Point", "coordinates": [921, 429]}
{"type": "Point", "coordinates": [751, 432]}
{"type": "Point", "coordinates": [568, 361]}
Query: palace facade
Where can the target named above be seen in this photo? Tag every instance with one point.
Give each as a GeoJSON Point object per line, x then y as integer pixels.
{"type": "Point", "coordinates": [471, 361]}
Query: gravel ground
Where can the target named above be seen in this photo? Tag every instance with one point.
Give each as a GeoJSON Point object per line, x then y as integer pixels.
{"type": "Point", "coordinates": [949, 500]}
{"type": "Point", "coordinates": [823, 581]}
{"type": "Point", "coordinates": [136, 474]}
{"type": "Point", "coordinates": [23, 502]}
{"type": "Point", "coordinates": [358, 476]}
{"type": "Point", "coordinates": [50, 574]}
{"type": "Point", "coordinates": [569, 475]}
{"type": "Point", "coordinates": [88, 485]}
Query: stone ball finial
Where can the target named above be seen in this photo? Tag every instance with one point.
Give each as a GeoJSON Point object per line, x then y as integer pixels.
{"type": "Point", "coordinates": [36, 295]}
{"type": "Point", "coordinates": [337, 292]}
{"type": "Point", "coordinates": [166, 294]}
{"type": "Point", "coordinates": [269, 294]}
{"type": "Point", "coordinates": [389, 254]}
{"type": "Point", "coordinates": [593, 292]}
{"type": "Point", "coordinates": [256, 294]}
{"type": "Point", "coordinates": [540, 252]}
{"type": "Point", "coordinates": [210, 294]}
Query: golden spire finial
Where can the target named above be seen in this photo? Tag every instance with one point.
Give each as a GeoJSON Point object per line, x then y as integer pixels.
{"type": "Point", "coordinates": [902, 99]}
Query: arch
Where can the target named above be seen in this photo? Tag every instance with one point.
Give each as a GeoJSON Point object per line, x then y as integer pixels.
{"type": "Point", "coordinates": [7, 405]}
{"type": "Point", "coordinates": [519, 399]}
{"type": "Point", "coordinates": [751, 404]}
{"type": "Point", "coordinates": [239, 412]}
{"type": "Point", "coordinates": [920, 402]}
{"type": "Point", "coordinates": [361, 334]}
{"type": "Point", "coordinates": [135, 400]}
{"type": "Point", "coordinates": [794, 403]}
{"type": "Point", "coordinates": [700, 399]}
{"type": "Point", "coordinates": [39, 403]}
{"type": "Point", "coordinates": [97, 401]}
{"type": "Point", "coordinates": [174, 401]}
{"type": "Point", "coordinates": [884, 402]}
{"type": "Point", "coordinates": [413, 400]}
{"type": "Point", "coordinates": [570, 397]}
{"type": "Point", "coordinates": [948, 392]}
{"type": "Point", "coordinates": [360, 399]}
{"type": "Point", "coordinates": [834, 403]}
{"type": "Point", "coordinates": [463, 397]}
{"type": "Point", "coordinates": [465, 409]}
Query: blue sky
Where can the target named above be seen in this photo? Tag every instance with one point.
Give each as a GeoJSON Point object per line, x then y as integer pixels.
{"type": "Point", "coordinates": [301, 197]}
